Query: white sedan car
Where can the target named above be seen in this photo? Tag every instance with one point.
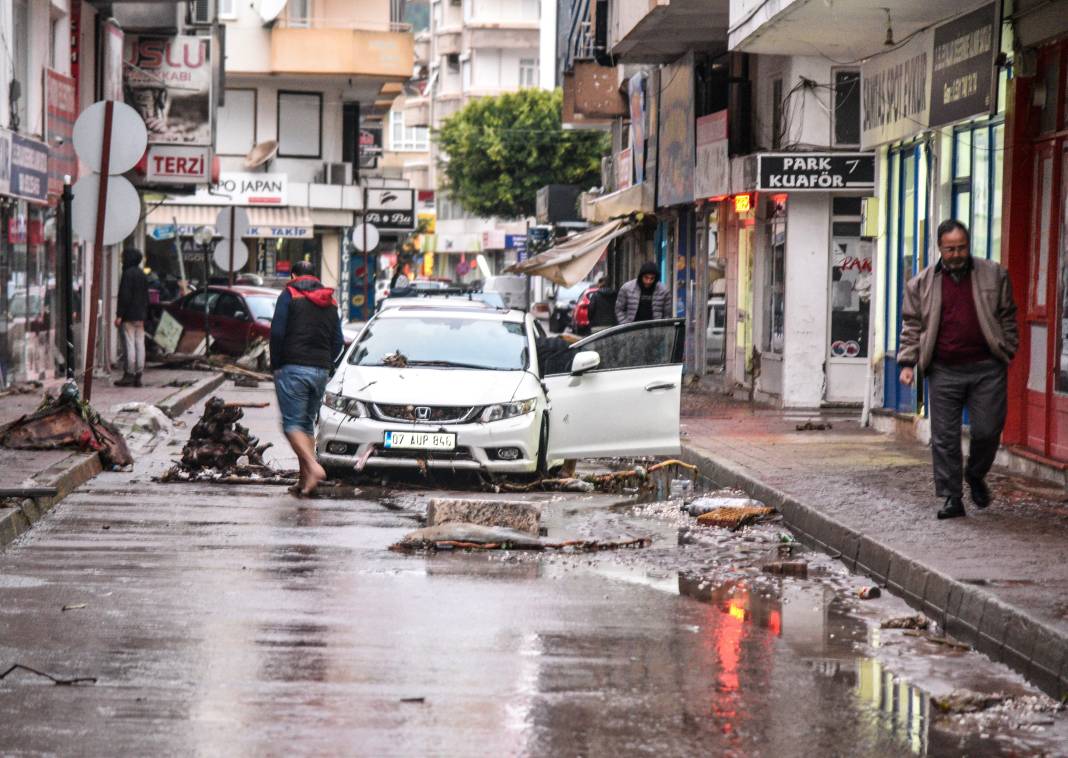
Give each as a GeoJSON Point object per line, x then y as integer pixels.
{"type": "Point", "coordinates": [458, 385]}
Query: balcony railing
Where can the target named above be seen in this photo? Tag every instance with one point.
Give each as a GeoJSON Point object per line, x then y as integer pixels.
{"type": "Point", "coordinates": [342, 23]}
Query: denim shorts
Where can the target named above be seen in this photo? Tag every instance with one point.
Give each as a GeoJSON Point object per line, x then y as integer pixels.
{"type": "Point", "coordinates": [300, 393]}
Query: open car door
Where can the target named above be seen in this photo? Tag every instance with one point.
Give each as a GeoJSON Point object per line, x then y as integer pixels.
{"type": "Point", "coordinates": [626, 404]}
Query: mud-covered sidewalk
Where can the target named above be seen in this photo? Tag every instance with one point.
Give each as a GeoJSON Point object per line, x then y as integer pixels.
{"type": "Point", "coordinates": [32, 481]}
{"type": "Point", "coordinates": [997, 579]}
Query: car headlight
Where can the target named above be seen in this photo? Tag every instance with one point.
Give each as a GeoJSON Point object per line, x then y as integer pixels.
{"type": "Point", "coordinates": [350, 406]}
{"type": "Point", "coordinates": [509, 410]}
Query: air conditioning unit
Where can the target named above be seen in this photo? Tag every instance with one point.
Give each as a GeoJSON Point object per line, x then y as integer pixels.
{"type": "Point", "coordinates": [456, 2]}
{"type": "Point", "coordinates": [337, 173]}
{"type": "Point", "coordinates": [201, 12]}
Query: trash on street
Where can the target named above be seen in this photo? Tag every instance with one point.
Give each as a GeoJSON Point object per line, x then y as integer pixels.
{"type": "Point", "coordinates": [67, 422]}
{"type": "Point", "coordinates": [919, 621]}
{"type": "Point", "coordinates": [458, 536]}
{"type": "Point", "coordinates": [702, 505]}
{"type": "Point", "coordinates": [735, 517]}
{"type": "Point", "coordinates": [787, 568]}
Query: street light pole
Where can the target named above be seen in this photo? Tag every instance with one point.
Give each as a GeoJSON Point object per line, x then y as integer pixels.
{"type": "Point", "coordinates": [204, 236]}
{"type": "Point", "coordinates": [67, 258]}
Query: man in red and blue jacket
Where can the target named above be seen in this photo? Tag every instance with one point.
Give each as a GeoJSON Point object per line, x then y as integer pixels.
{"type": "Point", "coordinates": [306, 343]}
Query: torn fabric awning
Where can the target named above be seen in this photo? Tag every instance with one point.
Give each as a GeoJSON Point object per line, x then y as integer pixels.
{"type": "Point", "coordinates": [569, 262]}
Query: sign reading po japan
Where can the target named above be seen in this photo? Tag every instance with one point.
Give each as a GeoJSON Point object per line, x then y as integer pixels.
{"type": "Point", "coordinates": [168, 81]}
{"type": "Point", "coordinates": [178, 164]}
{"type": "Point", "coordinates": [963, 81]}
{"type": "Point", "coordinates": [816, 172]}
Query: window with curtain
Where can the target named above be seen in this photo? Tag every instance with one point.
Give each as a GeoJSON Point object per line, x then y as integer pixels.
{"type": "Point", "coordinates": [528, 72]}
{"type": "Point", "coordinates": [300, 128]}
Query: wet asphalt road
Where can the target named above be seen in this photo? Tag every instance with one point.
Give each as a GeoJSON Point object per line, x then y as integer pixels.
{"type": "Point", "coordinates": [222, 620]}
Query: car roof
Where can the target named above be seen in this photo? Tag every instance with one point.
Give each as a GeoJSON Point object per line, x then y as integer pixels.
{"type": "Point", "coordinates": [448, 307]}
{"type": "Point", "coordinates": [247, 289]}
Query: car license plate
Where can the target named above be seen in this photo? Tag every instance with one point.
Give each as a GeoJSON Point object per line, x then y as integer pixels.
{"type": "Point", "coordinates": [420, 441]}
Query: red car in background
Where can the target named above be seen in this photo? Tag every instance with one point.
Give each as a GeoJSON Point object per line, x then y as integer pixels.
{"type": "Point", "coordinates": [580, 318]}
{"type": "Point", "coordinates": [238, 316]}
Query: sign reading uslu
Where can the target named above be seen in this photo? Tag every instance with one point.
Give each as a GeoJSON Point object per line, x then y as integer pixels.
{"type": "Point", "coordinates": [816, 172]}
{"type": "Point", "coordinates": [962, 80]}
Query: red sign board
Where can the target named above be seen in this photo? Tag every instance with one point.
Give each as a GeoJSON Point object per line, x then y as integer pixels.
{"type": "Point", "coordinates": [178, 164]}
{"type": "Point", "coordinates": [61, 108]}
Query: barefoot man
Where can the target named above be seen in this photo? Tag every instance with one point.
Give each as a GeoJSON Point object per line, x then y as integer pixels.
{"type": "Point", "coordinates": [306, 341]}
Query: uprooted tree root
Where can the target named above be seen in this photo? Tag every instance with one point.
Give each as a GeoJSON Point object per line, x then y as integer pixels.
{"type": "Point", "coordinates": [220, 450]}
{"type": "Point", "coordinates": [615, 482]}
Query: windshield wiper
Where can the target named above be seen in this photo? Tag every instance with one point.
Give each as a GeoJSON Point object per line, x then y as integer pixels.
{"type": "Point", "coordinates": [448, 364]}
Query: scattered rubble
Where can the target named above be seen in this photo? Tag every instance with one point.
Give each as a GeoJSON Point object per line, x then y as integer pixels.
{"type": "Point", "coordinates": [919, 621]}
{"type": "Point", "coordinates": [523, 517]}
{"type": "Point", "coordinates": [721, 499]}
{"type": "Point", "coordinates": [967, 701]}
{"type": "Point", "coordinates": [222, 450]}
{"type": "Point", "coordinates": [869, 593]}
{"type": "Point", "coordinates": [735, 517]}
{"type": "Point", "coordinates": [787, 568]}
{"type": "Point", "coordinates": [629, 481]}
{"type": "Point", "coordinates": [459, 536]}
{"type": "Point", "coordinates": [810, 426]}
{"type": "Point", "coordinates": [67, 422]}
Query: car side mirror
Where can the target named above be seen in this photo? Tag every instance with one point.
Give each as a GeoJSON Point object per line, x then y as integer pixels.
{"type": "Point", "coordinates": [240, 315]}
{"type": "Point", "coordinates": [585, 361]}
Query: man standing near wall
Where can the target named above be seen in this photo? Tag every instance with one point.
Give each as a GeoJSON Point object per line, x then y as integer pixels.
{"type": "Point", "coordinates": [644, 298]}
{"type": "Point", "coordinates": [959, 330]}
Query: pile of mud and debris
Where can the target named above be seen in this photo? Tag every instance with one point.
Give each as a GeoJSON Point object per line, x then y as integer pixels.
{"type": "Point", "coordinates": [636, 480]}
{"type": "Point", "coordinates": [471, 524]}
{"type": "Point", "coordinates": [66, 422]}
{"type": "Point", "coordinates": [223, 451]}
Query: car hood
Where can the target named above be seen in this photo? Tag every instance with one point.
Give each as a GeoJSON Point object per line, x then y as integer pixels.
{"type": "Point", "coordinates": [430, 386]}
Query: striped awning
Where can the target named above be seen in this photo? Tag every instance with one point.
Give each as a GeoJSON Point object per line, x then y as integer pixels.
{"type": "Point", "coordinates": [287, 222]}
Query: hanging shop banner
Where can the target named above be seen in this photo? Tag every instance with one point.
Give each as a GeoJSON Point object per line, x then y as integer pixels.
{"type": "Point", "coordinates": [391, 210]}
{"type": "Point", "coordinates": [815, 172]}
{"type": "Point", "coordinates": [168, 81]}
{"type": "Point", "coordinates": [675, 166]}
{"type": "Point", "coordinates": [896, 92]}
{"type": "Point", "coordinates": [29, 168]}
{"type": "Point", "coordinates": [963, 79]}
{"type": "Point", "coordinates": [636, 97]}
{"type": "Point", "coordinates": [713, 175]}
{"type": "Point", "coordinates": [61, 109]}
{"type": "Point", "coordinates": [624, 169]}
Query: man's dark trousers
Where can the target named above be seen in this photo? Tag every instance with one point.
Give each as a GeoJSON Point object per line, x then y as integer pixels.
{"type": "Point", "coordinates": [979, 387]}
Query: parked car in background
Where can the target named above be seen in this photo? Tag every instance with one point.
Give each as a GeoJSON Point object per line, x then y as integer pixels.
{"type": "Point", "coordinates": [563, 305]}
{"type": "Point", "coordinates": [580, 316]}
{"type": "Point", "coordinates": [238, 316]}
{"type": "Point", "coordinates": [716, 331]}
{"type": "Point", "coordinates": [513, 289]}
{"type": "Point", "coordinates": [441, 383]}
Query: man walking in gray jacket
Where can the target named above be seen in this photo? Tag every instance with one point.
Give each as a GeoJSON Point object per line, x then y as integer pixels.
{"type": "Point", "coordinates": [644, 298]}
{"type": "Point", "coordinates": [959, 330]}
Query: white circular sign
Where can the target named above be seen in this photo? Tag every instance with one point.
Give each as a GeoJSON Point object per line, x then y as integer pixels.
{"type": "Point", "coordinates": [221, 256]}
{"type": "Point", "coordinates": [129, 138]}
{"type": "Point", "coordinates": [372, 237]}
{"type": "Point", "coordinates": [222, 223]}
{"type": "Point", "coordinates": [122, 210]}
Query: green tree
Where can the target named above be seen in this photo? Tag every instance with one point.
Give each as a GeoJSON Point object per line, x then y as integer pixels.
{"type": "Point", "coordinates": [501, 150]}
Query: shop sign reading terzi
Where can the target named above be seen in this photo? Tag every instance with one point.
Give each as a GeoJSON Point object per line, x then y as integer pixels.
{"type": "Point", "coordinates": [816, 172]}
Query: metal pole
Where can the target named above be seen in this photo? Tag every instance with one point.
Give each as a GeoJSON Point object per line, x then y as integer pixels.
{"type": "Point", "coordinates": [68, 279]}
{"type": "Point", "coordinates": [230, 242]}
{"type": "Point", "coordinates": [366, 263]}
{"type": "Point", "coordinates": [184, 283]}
{"type": "Point", "coordinates": [207, 302]}
{"type": "Point", "coordinates": [98, 250]}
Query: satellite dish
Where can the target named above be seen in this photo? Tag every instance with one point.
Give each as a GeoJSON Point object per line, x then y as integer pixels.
{"type": "Point", "coordinates": [269, 9]}
{"type": "Point", "coordinates": [261, 153]}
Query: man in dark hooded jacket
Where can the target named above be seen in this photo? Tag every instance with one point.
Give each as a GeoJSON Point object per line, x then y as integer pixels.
{"type": "Point", "coordinates": [306, 342]}
{"type": "Point", "coordinates": [130, 315]}
{"type": "Point", "coordinates": [644, 298]}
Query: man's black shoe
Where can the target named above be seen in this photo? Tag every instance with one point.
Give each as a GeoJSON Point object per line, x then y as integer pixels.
{"type": "Point", "coordinates": [980, 493]}
{"type": "Point", "coordinates": [953, 508]}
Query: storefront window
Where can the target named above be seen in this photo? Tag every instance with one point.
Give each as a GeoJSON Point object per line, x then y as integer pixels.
{"type": "Point", "coordinates": [283, 253]}
{"type": "Point", "coordinates": [978, 165]}
{"type": "Point", "coordinates": [1062, 334]}
{"type": "Point", "coordinates": [28, 294]}
{"type": "Point", "coordinates": [775, 278]}
{"type": "Point", "coordinates": [851, 269]}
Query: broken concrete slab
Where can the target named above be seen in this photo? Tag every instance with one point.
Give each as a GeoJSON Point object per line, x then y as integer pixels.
{"type": "Point", "coordinates": [511, 514]}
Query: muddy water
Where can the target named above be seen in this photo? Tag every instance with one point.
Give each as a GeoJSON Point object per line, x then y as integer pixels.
{"type": "Point", "coordinates": [242, 621]}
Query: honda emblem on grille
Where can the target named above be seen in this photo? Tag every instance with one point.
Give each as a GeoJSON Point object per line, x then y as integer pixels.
{"type": "Point", "coordinates": [422, 413]}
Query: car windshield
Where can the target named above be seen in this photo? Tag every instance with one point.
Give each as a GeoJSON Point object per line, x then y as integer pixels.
{"type": "Point", "coordinates": [447, 342]}
{"type": "Point", "coordinates": [261, 306]}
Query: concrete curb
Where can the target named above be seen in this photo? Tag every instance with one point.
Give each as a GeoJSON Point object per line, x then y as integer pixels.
{"type": "Point", "coordinates": [177, 403]}
{"type": "Point", "coordinates": [1002, 632]}
{"type": "Point", "coordinates": [78, 468]}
